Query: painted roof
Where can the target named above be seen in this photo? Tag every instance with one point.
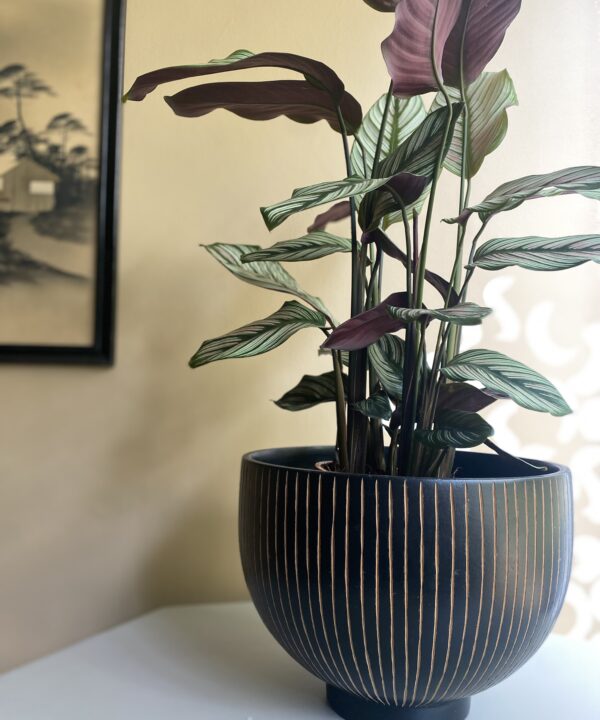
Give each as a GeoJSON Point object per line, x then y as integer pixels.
{"type": "Point", "coordinates": [8, 162]}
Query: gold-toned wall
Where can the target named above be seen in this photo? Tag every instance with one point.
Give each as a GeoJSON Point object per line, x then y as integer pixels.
{"type": "Point", "coordinates": [118, 486]}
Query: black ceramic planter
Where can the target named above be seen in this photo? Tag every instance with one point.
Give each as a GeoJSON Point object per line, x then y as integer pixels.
{"type": "Point", "coordinates": [405, 596]}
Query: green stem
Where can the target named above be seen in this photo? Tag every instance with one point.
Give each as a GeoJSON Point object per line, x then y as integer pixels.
{"type": "Point", "coordinates": [379, 146]}
{"type": "Point", "coordinates": [357, 372]}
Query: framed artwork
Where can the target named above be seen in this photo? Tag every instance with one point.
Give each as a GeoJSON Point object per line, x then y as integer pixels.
{"type": "Point", "coordinates": [60, 87]}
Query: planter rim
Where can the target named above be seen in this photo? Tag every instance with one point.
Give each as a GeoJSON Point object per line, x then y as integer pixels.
{"type": "Point", "coordinates": [258, 457]}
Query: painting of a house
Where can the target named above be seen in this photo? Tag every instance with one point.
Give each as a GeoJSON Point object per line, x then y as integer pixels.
{"type": "Point", "coordinates": [26, 187]}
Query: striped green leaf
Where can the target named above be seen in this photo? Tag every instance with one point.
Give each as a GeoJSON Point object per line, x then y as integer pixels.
{"type": "Point", "coordinates": [261, 336]}
{"type": "Point", "coordinates": [377, 406]}
{"type": "Point", "coordinates": [501, 373]}
{"type": "Point", "coordinates": [314, 195]}
{"type": "Point", "coordinates": [387, 360]}
{"type": "Point", "coordinates": [584, 180]}
{"type": "Point", "coordinates": [488, 99]}
{"type": "Point", "coordinates": [456, 429]}
{"type": "Point", "coordinates": [268, 275]}
{"type": "Point", "coordinates": [465, 314]}
{"type": "Point", "coordinates": [403, 118]}
{"type": "Point", "coordinates": [538, 253]}
{"type": "Point", "coordinates": [313, 246]}
{"type": "Point", "coordinates": [310, 391]}
{"type": "Point", "coordinates": [417, 155]}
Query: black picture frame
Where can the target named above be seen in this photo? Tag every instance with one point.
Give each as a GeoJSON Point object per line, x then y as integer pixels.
{"type": "Point", "coordinates": [101, 351]}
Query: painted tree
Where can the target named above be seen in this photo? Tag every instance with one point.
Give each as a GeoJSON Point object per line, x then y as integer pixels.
{"type": "Point", "coordinates": [19, 84]}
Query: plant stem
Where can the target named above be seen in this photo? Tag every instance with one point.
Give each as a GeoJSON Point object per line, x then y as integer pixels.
{"type": "Point", "coordinates": [379, 146]}
{"type": "Point", "coordinates": [340, 406]}
{"type": "Point", "coordinates": [357, 373]}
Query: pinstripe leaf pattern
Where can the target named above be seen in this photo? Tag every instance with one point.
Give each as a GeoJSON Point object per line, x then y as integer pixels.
{"type": "Point", "coordinates": [387, 359]}
{"type": "Point", "coordinates": [457, 429]}
{"type": "Point", "coordinates": [487, 100]}
{"type": "Point", "coordinates": [310, 391]}
{"type": "Point", "coordinates": [261, 336]}
{"type": "Point", "coordinates": [314, 195]}
{"type": "Point", "coordinates": [500, 372]}
{"type": "Point", "coordinates": [403, 118]}
{"type": "Point", "coordinates": [313, 246]}
{"type": "Point", "coordinates": [268, 275]}
{"type": "Point", "coordinates": [417, 155]}
{"type": "Point", "coordinates": [377, 406]}
{"type": "Point", "coordinates": [465, 314]}
{"type": "Point", "coordinates": [538, 253]}
{"type": "Point", "coordinates": [582, 180]}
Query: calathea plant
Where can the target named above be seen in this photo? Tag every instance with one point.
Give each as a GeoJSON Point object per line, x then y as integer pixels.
{"type": "Point", "coordinates": [385, 391]}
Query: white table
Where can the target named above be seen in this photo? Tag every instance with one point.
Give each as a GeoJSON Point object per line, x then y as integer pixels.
{"type": "Point", "coordinates": [217, 662]}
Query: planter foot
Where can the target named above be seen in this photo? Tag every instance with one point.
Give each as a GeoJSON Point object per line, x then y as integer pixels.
{"type": "Point", "coordinates": [351, 707]}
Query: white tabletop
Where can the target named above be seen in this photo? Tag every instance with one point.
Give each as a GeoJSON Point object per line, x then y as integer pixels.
{"type": "Point", "coordinates": [217, 662]}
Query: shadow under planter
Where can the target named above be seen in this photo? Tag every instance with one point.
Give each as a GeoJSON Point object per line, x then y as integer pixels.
{"type": "Point", "coordinates": [405, 595]}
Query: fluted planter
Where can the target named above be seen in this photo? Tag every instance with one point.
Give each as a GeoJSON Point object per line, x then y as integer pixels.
{"type": "Point", "coordinates": [405, 596]}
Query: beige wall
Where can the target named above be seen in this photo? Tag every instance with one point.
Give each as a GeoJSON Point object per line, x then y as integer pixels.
{"type": "Point", "coordinates": [118, 487]}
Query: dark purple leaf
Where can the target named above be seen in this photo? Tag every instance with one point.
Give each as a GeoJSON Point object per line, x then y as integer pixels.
{"type": "Point", "coordinates": [484, 24]}
{"type": "Point", "coordinates": [383, 5]}
{"type": "Point", "coordinates": [296, 99]}
{"type": "Point", "coordinates": [462, 396]}
{"type": "Point", "coordinates": [317, 72]}
{"type": "Point", "coordinates": [416, 46]}
{"type": "Point", "coordinates": [336, 212]}
{"type": "Point", "coordinates": [362, 330]}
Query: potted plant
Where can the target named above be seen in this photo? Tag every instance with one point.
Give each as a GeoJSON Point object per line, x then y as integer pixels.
{"type": "Point", "coordinates": [404, 571]}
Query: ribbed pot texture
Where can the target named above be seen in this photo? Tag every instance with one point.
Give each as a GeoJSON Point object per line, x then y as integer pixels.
{"type": "Point", "coordinates": [405, 595]}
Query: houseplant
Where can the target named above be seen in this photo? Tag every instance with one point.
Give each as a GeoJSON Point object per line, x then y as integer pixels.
{"type": "Point", "coordinates": [410, 576]}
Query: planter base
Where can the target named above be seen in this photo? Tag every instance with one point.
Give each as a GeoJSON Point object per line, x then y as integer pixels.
{"type": "Point", "coordinates": [351, 707]}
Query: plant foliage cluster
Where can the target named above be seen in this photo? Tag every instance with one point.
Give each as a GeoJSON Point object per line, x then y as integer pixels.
{"type": "Point", "coordinates": [396, 411]}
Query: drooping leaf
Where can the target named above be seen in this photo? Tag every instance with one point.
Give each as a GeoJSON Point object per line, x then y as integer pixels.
{"type": "Point", "coordinates": [476, 38]}
{"type": "Point", "coordinates": [387, 360]}
{"type": "Point", "coordinates": [268, 275]}
{"type": "Point", "coordinates": [403, 118]}
{"type": "Point", "coordinates": [377, 406]}
{"type": "Point", "coordinates": [298, 100]}
{"type": "Point", "coordinates": [463, 314]}
{"type": "Point", "coordinates": [462, 396]}
{"type": "Point", "coordinates": [308, 247]}
{"type": "Point", "coordinates": [315, 195]}
{"type": "Point", "coordinates": [312, 390]}
{"type": "Point", "coordinates": [538, 253]}
{"type": "Point", "coordinates": [456, 429]}
{"type": "Point", "coordinates": [487, 100]}
{"type": "Point", "coordinates": [362, 330]}
{"type": "Point", "coordinates": [383, 5]}
{"type": "Point", "coordinates": [501, 373]}
{"type": "Point", "coordinates": [261, 336]}
{"type": "Point", "coordinates": [414, 51]}
{"type": "Point", "coordinates": [314, 71]}
{"type": "Point", "coordinates": [337, 212]}
{"type": "Point", "coordinates": [583, 180]}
